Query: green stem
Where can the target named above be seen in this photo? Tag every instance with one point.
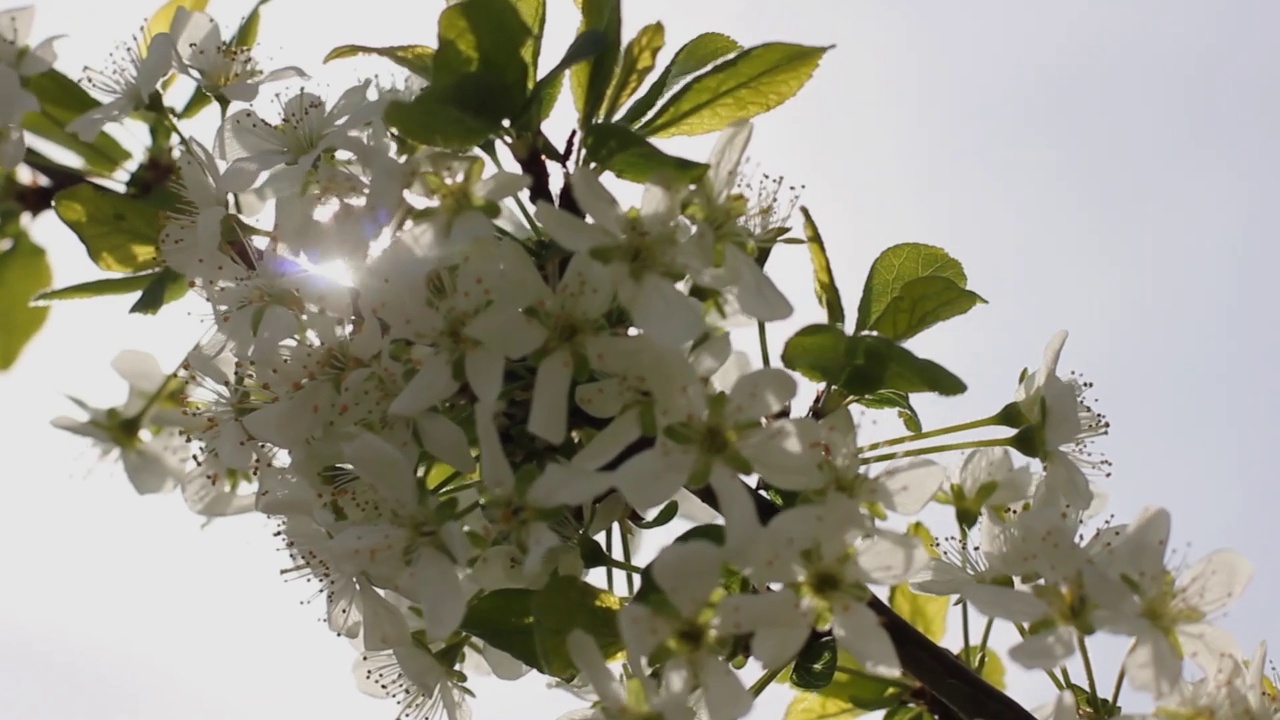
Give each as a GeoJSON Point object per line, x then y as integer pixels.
{"type": "Point", "coordinates": [937, 432]}
{"type": "Point", "coordinates": [982, 645]}
{"type": "Point", "coordinates": [763, 682]}
{"type": "Point", "coordinates": [1115, 692]}
{"type": "Point", "coordinates": [1088, 670]}
{"type": "Point", "coordinates": [934, 449]}
{"type": "Point", "coordinates": [964, 604]}
{"type": "Point", "coordinates": [764, 344]}
{"type": "Point", "coordinates": [608, 551]}
{"type": "Point", "coordinates": [626, 557]}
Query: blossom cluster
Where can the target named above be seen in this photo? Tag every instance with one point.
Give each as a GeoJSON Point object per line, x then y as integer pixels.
{"type": "Point", "coordinates": [440, 391]}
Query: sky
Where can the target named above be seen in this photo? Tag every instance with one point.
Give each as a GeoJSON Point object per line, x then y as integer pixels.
{"type": "Point", "coordinates": [1105, 168]}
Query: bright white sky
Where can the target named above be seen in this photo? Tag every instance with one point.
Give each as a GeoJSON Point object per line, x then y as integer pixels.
{"type": "Point", "coordinates": [1110, 168]}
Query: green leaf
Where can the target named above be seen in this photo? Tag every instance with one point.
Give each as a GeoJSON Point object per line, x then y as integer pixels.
{"type": "Point", "coordinates": [752, 82]}
{"type": "Point", "coordinates": [431, 119]}
{"type": "Point", "coordinates": [163, 18]}
{"type": "Point", "coordinates": [417, 59]}
{"type": "Point", "coordinates": [693, 56]}
{"type": "Point", "coordinates": [631, 157]}
{"type": "Point", "coordinates": [24, 271]}
{"type": "Point", "coordinates": [546, 91]}
{"type": "Point", "coordinates": [504, 619]}
{"type": "Point", "coordinates": [992, 666]}
{"type": "Point", "coordinates": [563, 604]}
{"type": "Point", "coordinates": [819, 706]}
{"type": "Point", "coordinates": [100, 288]}
{"type": "Point", "coordinates": [815, 665]}
{"type": "Point", "coordinates": [638, 60]}
{"type": "Point", "coordinates": [247, 34]}
{"type": "Point", "coordinates": [61, 101]}
{"type": "Point", "coordinates": [928, 613]}
{"type": "Point", "coordinates": [164, 288]}
{"type": "Point", "coordinates": [864, 364]}
{"type": "Point", "coordinates": [893, 400]}
{"type": "Point", "coordinates": [119, 232]}
{"type": "Point", "coordinates": [589, 81]}
{"type": "Point", "coordinates": [534, 14]}
{"type": "Point", "coordinates": [664, 516]}
{"type": "Point", "coordinates": [922, 303]}
{"type": "Point", "coordinates": [480, 67]}
{"type": "Point", "coordinates": [824, 282]}
{"type": "Point", "coordinates": [897, 266]}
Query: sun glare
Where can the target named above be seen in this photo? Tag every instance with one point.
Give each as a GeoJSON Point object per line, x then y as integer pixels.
{"type": "Point", "coordinates": [337, 271]}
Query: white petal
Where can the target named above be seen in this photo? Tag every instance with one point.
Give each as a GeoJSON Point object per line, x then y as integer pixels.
{"type": "Point", "coordinates": [726, 156]}
{"type": "Point", "coordinates": [1152, 664]}
{"type": "Point", "coordinates": [725, 695]}
{"type": "Point", "coordinates": [484, 373]}
{"type": "Point", "coordinates": [1206, 644]}
{"type": "Point", "coordinates": [857, 629]}
{"type": "Point", "coordinates": [569, 231]}
{"type": "Point", "coordinates": [442, 437]}
{"type": "Point", "coordinates": [757, 295]}
{"type": "Point", "coordinates": [561, 484]}
{"type": "Point", "coordinates": [495, 467]}
{"type": "Point", "coordinates": [607, 444]}
{"type": "Point", "coordinates": [1215, 581]}
{"type": "Point", "coordinates": [384, 626]}
{"type": "Point", "coordinates": [761, 393]}
{"type": "Point", "coordinates": [596, 201]}
{"type": "Point", "coordinates": [1045, 650]}
{"type": "Point", "coordinates": [889, 558]}
{"type": "Point", "coordinates": [665, 314]}
{"type": "Point", "coordinates": [432, 582]}
{"type": "Point", "coordinates": [587, 656]}
{"type": "Point", "coordinates": [908, 487]}
{"type": "Point", "coordinates": [432, 384]}
{"type": "Point", "coordinates": [688, 572]}
{"type": "Point", "coordinates": [549, 410]}
{"type": "Point", "coordinates": [386, 468]}
{"type": "Point", "coordinates": [150, 472]}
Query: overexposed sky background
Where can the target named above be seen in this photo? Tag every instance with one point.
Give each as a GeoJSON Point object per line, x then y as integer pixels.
{"type": "Point", "coordinates": [1109, 168]}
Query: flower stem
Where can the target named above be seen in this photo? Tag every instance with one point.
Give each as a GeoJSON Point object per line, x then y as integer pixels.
{"type": "Point", "coordinates": [1088, 671]}
{"type": "Point", "coordinates": [1115, 692]}
{"type": "Point", "coordinates": [632, 570]}
{"type": "Point", "coordinates": [764, 344]}
{"type": "Point", "coordinates": [763, 682]}
{"type": "Point", "coordinates": [937, 432]}
{"type": "Point", "coordinates": [934, 449]}
{"type": "Point", "coordinates": [982, 645]}
{"type": "Point", "coordinates": [964, 604]}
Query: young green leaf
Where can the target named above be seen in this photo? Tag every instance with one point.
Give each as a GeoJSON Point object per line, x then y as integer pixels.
{"type": "Point", "coordinates": [61, 101]}
{"type": "Point", "coordinates": [247, 34]}
{"type": "Point", "coordinates": [24, 271]}
{"type": "Point", "coordinates": [431, 119]}
{"type": "Point", "coordinates": [534, 14]}
{"type": "Point", "coordinates": [864, 364]}
{"type": "Point", "coordinates": [163, 17]}
{"type": "Point", "coordinates": [563, 604]}
{"type": "Point", "coordinates": [589, 81]}
{"type": "Point", "coordinates": [824, 282]}
{"type": "Point", "coordinates": [897, 266]}
{"type": "Point", "coordinates": [819, 706]}
{"type": "Point", "coordinates": [119, 232]}
{"type": "Point", "coordinates": [480, 67]}
{"type": "Point", "coordinates": [752, 82]}
{"type": "Point", "coordinates": [815, 665]}
{"type": "Point", "coordinates": [693, 56]}
{"type": "Point", "coordinates": [638, 60]}
{"type": "Point", "coordinates": [631, 157]}
{"type": "Point", "coordinates": [417, 59]}
{"type": "Point", "coordinates": [992, 665]}
{"type": "Point", "coordinates": [546, 91]}
{"type": "Point", "coordinates": [893, 400]}
{"type": "Point", "coordinates": [100, 288]}
{"type": "Point", "coordinates": [922, 303]}
{"type": "Point", "coordinates": [165, 287]}
{"type": "Point", "coordinates": [504, 619]}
